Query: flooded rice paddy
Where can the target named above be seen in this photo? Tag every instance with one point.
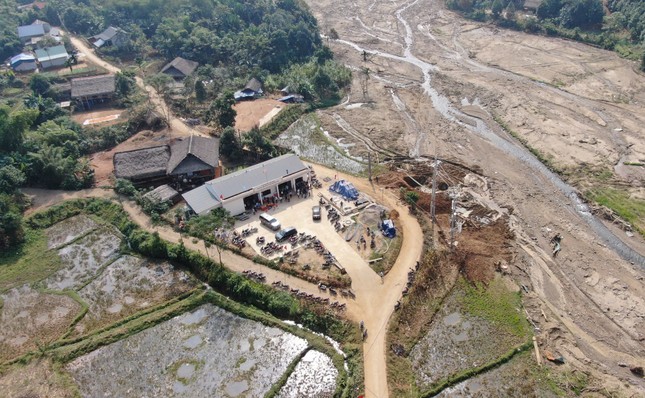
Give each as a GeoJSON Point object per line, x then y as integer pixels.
{"type": "Point", "coordinates": [207, 352]}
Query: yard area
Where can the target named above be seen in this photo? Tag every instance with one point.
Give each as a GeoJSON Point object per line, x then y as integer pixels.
{"type": "Point", "coordinates": [256, 113]}
{"type": "Point", "coordinates": [345, 244]}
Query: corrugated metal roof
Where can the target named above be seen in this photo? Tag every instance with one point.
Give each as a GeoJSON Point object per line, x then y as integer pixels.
{"type": "Point", "coordinates": [201, 199]}
{"type": "Point", "coordinates": [242, 181]}
{"type": "Point", "coordinates": [51, 53]}
{"type": "Point", "coordinates": [31, 30]}
{"type": "Point", "coordinates": [22, 57]}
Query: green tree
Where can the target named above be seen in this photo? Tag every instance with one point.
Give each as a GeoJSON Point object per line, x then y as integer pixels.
{"type": "Point", "coordinates": [497, 8]}
{"type": "Point", "coordinates": [11, 179]}
{"type": "Point", "coordinates": [643, 62]}
{"type": "Point", "coordinates": [221, 110]}
{"type": "Point", "coordinates": [40, 84]}
{"type": "Point", "coordinates": [11, 230]}
{"type": "Point", "coordinates": [125, 83]}
{"type": "Point", "coordinates": [229, 145]}
{"type": "Point", "coordinates": [411, 198]}
{"type": "Point", "coordinates": [257, 144]}
{"type": "Point", "coordinates": [13, 126]}
{"type": "Point", "coordinates": [549, 9]}
{"type": "Point", "coordinates": [200, 91]}
{"type": "Point", "coordinates": [581, 13]}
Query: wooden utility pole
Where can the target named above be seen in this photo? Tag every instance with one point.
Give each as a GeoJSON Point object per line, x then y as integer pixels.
{"type": "Point", "coordinates": [453, 218]}
{"type": "Point", "coordinates": [434, 192]}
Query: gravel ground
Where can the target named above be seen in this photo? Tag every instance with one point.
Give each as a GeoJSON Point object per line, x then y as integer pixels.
{"type": "Point", "coordinates": [315, 377]}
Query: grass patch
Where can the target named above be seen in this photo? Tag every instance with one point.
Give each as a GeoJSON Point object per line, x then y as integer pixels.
{"type": "Point", "coordinates": [28, 263]}
{"type": "Point", "coordinates": [472, 372]}
{"type": "Point", "coordinates": [497, 304]}
{"type": "Point", "coordinates": [629, 209]}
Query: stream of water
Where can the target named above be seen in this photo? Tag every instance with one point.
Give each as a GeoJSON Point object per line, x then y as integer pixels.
{"type": "Point", "coordinates": [447, 110]}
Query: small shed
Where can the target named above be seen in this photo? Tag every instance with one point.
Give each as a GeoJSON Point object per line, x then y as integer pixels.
{"type": "Point", "coordinates": [50, 57]}
{"type": "Point", "coordinates": [180, 68]}
{"type": "Point", "coordinates": [252, 90]}
{"type": "Point", "coordinates": [163, 193]}
{"type": "Point", "coordinates": [23, 62]}
{"type": "Point", "coordinates": [292, 99]}
{"type": "Point", "coordinates": [111, 36]}
{"type": "Point", "coordinates": [89, 91]}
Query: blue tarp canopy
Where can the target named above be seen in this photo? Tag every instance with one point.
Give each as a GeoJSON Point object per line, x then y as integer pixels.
{"type": "Point", "coordinates": [346, 189]}
{"type": "Point", "coordinates": [388, 228]}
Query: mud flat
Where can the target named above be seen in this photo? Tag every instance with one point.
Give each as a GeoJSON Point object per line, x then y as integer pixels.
{"type": "Point", "coordinates": [207, 352]}
{"type": "Point", "coordinates": [306, 139]}
{"type": "Point", "coordinates": [458, 341]}
{"type": "Point", "coordinates": [314, 376]}
{"type": "Point", "coordinates": [128, 285]}
{"type": "Point", "coordinates": [29, 317]}
{"type": "Point", "coordinates": [84, 258]}
{"type": "Point", "coordinates": [68, 230]}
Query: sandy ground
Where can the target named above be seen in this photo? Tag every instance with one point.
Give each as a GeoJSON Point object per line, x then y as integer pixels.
{"type": "Point", "coordinates": [256, 113]}
{"type": "Point", "coordinates": [576, 104]}
{"type": "Point", "coordinates": [99, 118]}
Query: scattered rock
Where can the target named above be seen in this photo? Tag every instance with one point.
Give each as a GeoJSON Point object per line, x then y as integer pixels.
{"type": "Point", "coordinates": [638, 371]}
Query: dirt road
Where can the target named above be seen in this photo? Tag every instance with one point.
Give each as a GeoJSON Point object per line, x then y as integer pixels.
{"type": "Point", "coordinates": [439, 84]}
{"type": "Point", "coordinates": [175, 124]}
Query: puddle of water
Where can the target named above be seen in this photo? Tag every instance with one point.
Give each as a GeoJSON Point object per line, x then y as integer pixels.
{"type": "Point", "coordinates": [115, 308]}
{"type": "Point", "coordinates": [193, 342]}
{"type": "Point", "coordinates": [186, 371]}
{"type": "Point", "coordinates": [452, 319]}
{"type": "Point", "coordinates": [178, 387]}
{"type": "Point", "coordinates": [236, 388]}
{"type": "Point", "coordinates": [458, 338]}
{"type": "Point", "coordinates": [354, 106]}
{"type": "Point", "coordinates": [247, 365]}
{"type": "Point", "coordinates": [194, 318]}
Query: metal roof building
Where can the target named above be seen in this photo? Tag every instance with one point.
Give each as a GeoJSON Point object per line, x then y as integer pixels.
{"type": "Point", "coordinates": [52, 56]}
{"type": "Point", "coordinates": [239, 191]}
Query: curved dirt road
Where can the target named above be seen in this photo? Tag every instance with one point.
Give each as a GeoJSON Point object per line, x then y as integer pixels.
{"type": "Point", "coordinates": [175, 124]}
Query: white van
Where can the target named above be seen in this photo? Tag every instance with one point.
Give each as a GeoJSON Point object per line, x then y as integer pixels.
{"type": "Point", "coordinates": [269, 221]}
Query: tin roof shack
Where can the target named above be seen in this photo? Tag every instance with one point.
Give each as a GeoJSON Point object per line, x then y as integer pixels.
{"type": "Point", "coordinates": [50, 57]}
{"type": "Point", "coordinates": [89, 91]}
{"type": "Point", "coordinates": [180, 68]}
{"type": "Point", "coordinates": [252, 90]}
{"type": "Point", "coordinates": [111, 36]}
{"type": "Point", "coordinates": [190, 161]}
{"type": "Point", "coordinates": [23, 62]}
{"type": "Point", "coordinates": [163, 193]}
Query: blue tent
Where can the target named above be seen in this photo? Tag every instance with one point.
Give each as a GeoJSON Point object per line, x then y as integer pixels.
{"type": "Point", "coordinates": [388, 228]}
{"type": "Point", "coordinates": [346, 189]}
